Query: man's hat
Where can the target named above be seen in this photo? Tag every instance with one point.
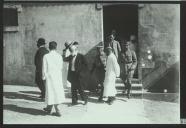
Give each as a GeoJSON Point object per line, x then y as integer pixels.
{"type": "Point", "coordinates": [126, 43]}
{"type": "Point", "coordinates": [41, 41]}
{"type": "Point", "coordinates": [68, 44]}
{"type": "Point", "coordinates": [100, 45]}
{"type": "Point", "coordinates": [108, 47]}
{"type": "Point", "coordinates": [75, 43]}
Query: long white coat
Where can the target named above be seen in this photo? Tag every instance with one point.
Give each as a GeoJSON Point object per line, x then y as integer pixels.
{"type": "Point", "coordinates": [112, 71]}
{"type": "Point", "coordinates": [52, 73]}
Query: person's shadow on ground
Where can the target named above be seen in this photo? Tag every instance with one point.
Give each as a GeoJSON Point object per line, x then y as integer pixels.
{"type": "Point", "coordinates": [31, 92]}
{"type": "Point", "coordinates": [16, 95]}
{"type": "Point", "coordinates": [30, 111]}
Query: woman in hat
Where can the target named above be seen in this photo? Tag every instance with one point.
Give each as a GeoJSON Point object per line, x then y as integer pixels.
{"type": "Point", "coordinates": [52, 73]}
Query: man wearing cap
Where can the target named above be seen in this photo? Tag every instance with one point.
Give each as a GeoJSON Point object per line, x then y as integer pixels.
{"type": "Point", "coordinates": [128, 63]}
{"type": "Point", "coordinates": [115, 45]}
{"type": "Point", "coordinates": [98, 68]}
{"type": "Point", "coordinates": [112, 71]}
{"type": "Point", "coordinates": [38, 61]}
{"type": "Point", "coordinates": [133, 42]}
{"type": "Point", "coordinates": [77, 65]}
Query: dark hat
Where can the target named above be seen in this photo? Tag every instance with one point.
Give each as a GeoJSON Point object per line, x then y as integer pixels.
{"type": "Point", "coordinates": [100, 45]}
{"type": "Point", "coordinates": [41, 41]}
{"type": "Point", "coordinates": [68, 44]}
{"type": "Point", "coordinates": [126, 43]}
{"type": "Point", "coordinates": [108, 47]}
{"type": "Point", "coordinates": [75, 43]}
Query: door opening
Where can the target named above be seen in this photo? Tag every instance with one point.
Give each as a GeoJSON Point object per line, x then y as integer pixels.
{"type": "Point", "coordinates": [123, 19]}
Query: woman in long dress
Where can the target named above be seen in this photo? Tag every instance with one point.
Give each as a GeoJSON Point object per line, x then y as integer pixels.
{"type": "Point", "coordinates": [52, 73]}
{"type": "Point", "coordinates": [112, 71]}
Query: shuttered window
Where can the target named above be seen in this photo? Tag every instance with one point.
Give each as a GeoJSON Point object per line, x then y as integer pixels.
{"type": "Point", "coordinates": [10, 17]}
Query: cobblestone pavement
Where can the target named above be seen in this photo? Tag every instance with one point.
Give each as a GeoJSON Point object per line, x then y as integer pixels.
{"type": "Point", "coordinates": [22, 106]}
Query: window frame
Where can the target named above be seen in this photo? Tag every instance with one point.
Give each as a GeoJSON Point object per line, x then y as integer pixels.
{"type": "Point", "coordinates": [12, 28]}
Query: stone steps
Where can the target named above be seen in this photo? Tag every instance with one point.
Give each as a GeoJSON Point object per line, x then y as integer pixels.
{"type": "Point", "coordinates": [120, 86]}
{"type": "Point", "coordinates": [136, 89]}
{"type": "Point", "coordinates": [134, 81]}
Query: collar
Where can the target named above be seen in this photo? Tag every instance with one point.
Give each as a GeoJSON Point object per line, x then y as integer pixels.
{"type": "Point", "coordinates": [75, 54]}
{"type": "Point", "coordinates": [42, 46]}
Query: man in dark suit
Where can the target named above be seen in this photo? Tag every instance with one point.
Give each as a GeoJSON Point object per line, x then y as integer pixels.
{"type": "Point", "coordinates": [38, 63]}
{"type": "Point", "coordinates": [76, 71]}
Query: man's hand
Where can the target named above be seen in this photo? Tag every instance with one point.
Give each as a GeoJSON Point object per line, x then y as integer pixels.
{"type": "Point", "coordinates": [44, 81]}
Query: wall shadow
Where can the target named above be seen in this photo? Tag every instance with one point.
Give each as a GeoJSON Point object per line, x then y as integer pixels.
{"type": "Point", "coordinates": [90, 79]}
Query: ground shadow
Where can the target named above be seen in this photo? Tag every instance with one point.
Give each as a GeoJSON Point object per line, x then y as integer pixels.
{"type": "Point", "coordinates": [93, 100]}
{"type": "Point", "coordinates": [121, 99]}
{"type": "Point", "coordinates": [69, 104]}
{"type": "Point", "coordinates": [15, 95]}
{"type": "Point", "coordinates": [30, 92]}
{"type": "Point", "coordinates": [30, 111]}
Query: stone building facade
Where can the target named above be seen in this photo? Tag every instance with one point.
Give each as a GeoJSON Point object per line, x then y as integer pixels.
{"type": "Point", "coordinates": [158, 36]}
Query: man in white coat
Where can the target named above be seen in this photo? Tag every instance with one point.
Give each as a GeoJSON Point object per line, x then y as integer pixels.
{"type": "Point", "coordinates": [52, 73]}
{"type": "Point", "coordinates": [112, 71]}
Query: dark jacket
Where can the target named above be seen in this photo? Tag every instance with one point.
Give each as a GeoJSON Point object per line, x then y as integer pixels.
{"type": "Point", "coordinates": [38, 61]}
{"type": "Point", "coordinates": [98, 68]}
{"type": "Point", "coordinates": [81, 67]}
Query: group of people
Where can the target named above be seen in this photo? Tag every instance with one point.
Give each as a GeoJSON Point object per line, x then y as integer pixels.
{"type": "Point", "coordinates": [113, 60]}
{"type": "Point", "coordinates": [119, 61]}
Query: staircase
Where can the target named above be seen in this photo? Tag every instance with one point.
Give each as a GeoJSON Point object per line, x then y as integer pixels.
{"type": "Point", "coordinates": [136, 89]}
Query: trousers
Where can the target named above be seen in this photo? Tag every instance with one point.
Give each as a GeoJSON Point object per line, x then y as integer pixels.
{"type": "Point", "coordinates": [76, 88]}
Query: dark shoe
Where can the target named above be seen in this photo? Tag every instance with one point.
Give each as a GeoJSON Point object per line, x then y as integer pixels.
{"type": "Point", "coordinates": [100, 100]}
{"type": "Point", "coordinates": [85, 102]}
{"type": "Point", "coordinates": [41, 97]}
{"type": "Point", "coordinates": [128, 96]}
{"type": "Point", "coordinates": [110, 103]}
{"type": "Point", "coordinates": [125, 91]}
{"type": "Point", "coordinates": [57, 114]}
{"type": "Point", "coordinates": [48, 110]}
{"type": "Point", "coordinates": [75, 103]}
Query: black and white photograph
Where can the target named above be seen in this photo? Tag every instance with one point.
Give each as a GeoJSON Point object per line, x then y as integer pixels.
{"type": "Point", "coordinates": [91, 63]}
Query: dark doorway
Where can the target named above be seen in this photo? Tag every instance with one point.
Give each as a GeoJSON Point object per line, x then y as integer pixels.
{"type": "Point", "coordinates": [123, 19]}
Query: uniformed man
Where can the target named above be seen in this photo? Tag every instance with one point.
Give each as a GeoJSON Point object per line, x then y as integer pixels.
{"type": "Point", "coordinates": [98, 68]}
{"type": "Point", "coordinates": [128, 63]}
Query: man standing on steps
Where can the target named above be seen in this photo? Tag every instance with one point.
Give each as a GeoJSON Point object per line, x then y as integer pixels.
{"type": "Point", "coordinates": [38, 61]}
{"type": "Point", "coordinates": [115, 45]}
{"type": "Point", "coordinates": [128, 63]}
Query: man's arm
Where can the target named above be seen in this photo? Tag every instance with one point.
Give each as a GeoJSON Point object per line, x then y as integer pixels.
{"type": "Point", "coordinates": [35, 59]}
{"type": "Point", "coordinates": [134, 61]}
{"type": "Point", "coordinates": [83, 63]}
{"type": "Point", "coordinates": [119, 47]}
{"type": "Point", "coordinates": [44, 68]}
{"type": "Point", "coordinates": [116, 66]}
{"type": "Point", "coordinates": [93, 66]}
{"type": "Point", "coordinates": [66, 59]}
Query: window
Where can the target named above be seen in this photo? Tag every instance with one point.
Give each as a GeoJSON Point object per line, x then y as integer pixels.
{"type": "Point", "coordinates": [10, 17]}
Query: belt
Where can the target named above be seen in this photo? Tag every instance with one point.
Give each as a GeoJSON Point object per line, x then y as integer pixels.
{"type": "Point", "coordinates": [127, 62]}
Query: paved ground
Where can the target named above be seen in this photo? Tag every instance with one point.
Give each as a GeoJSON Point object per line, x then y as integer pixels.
{"type": "Point", "coordinates": [21, 106]}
